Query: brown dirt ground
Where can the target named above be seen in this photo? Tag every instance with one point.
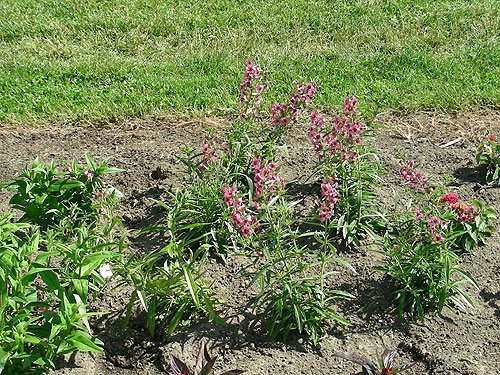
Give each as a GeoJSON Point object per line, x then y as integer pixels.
{"type": "Point", "coordinates": [455, 342]}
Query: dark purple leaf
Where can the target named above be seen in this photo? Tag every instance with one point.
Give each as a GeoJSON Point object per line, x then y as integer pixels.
{"type": "Point", "coordinates": [208, 367]}
{"type": "Point", "coordinates": [406, 366]}
{"type": "Point", "coordinates": [388, 357]}
{"type": "Point", "coordinates": [233, 372]}
{"type": "Point", "coordinates": [177, 367]}
{"type": "Point", "coordinates": [201, 359]}
{"type": "Point", "coordinates": [363, 361]}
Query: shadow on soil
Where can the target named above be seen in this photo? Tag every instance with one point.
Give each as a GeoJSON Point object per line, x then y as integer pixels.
{"type": "Point", "coordinates": [475, 175]}
{"type": "Point", "coordinates": [493, 299]}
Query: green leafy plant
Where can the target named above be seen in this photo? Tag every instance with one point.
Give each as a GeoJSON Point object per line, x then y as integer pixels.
{"type": "Point", "coordinates": [423, 242]}
{"type": "Point", "coordinates": [197, 216]}
{"type": "Point", "coordinates": [424, 273]}
{"type": "Point", "coordinates": [203, 365]}
{"type": "Point", "coordinates": [168, 284]}
{"type": "Point", "coordinates": [40, 319]}
{"type": "Point", "coordinates": [488, 154]}
{"type": "Point", "coordinates": [76, 196]}
{"type": "Point", "coordinates": [350, 171]}
{"type": "Point", "coordinates": [255, 133]}
{"type": "Point", "coordinates": [234, 199]}
{"type": "Point", "coordinates": [79, 261]}
{"type": "Point", "coordinates": [385, 363]}
{"type": "Point", "coordinates": [293, 295]}
{"type": "Point", "coordinates": [52, 260]}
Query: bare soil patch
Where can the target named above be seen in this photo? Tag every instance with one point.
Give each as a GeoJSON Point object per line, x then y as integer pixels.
{"type": "Point", "coordinates": [455, 342]}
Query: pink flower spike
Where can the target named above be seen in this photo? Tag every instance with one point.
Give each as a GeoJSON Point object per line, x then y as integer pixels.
{"type": "Point", "coordinates": [418, 214]}
{"type": "Point", "coordinates": [89, 174]}
{"type": "Point", "coordinates": [492, 137]}
{"type": "Point", "coordinates": [438, 238]}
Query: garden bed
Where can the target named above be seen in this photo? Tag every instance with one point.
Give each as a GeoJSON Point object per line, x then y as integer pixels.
{"type": "Point", "coordinates": [456, 342]}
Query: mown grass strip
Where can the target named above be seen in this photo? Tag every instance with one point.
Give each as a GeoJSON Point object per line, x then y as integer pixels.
{"type": "Point", "coordinates": [105, 60]}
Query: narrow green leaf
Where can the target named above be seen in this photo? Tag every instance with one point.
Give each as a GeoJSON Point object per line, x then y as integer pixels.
{"type": "Point", "coordinates": [128, 310]}
{"type": "Point", "coordinates": [84, 342]}
{"type": "Point", "coordinates": [175, 320]}
{"type": "Point", "coordinates": [191, 286]}
{"type": "Point", "coordinates": [151, 312]}
{"type": "Point", "coordinates": [4, 356]}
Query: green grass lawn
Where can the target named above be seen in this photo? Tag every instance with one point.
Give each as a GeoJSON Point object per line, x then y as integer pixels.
{"type": "Point", "coordinates": [104, 60]}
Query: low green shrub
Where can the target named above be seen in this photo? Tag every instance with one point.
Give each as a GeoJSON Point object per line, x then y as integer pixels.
{"type": "Point", "coordinates": [40, 317]}
{"type": "Point", "coordinates": [423, 243]}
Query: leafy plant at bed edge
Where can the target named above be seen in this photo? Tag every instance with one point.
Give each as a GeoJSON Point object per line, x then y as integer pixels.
{"type": "Point", "coordinates": [488, 154]}
{"type": "Point", "coordinates": [59, 255]}
{"type": "Point", "coordinates": [424, 241]}
{"type": "Point", "coordinates": [64, 200]}
{"type": "Point", "coordinates": [40, 317]}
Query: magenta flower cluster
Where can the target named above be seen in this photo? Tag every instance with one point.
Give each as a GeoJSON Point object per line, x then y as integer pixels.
{"type": "Point", "coordinates": [464, 212]}
{"type": "Point", "coordinates": [266, 181]}
{"type": "Point", "coordinates": [251, 90]}
{"type": "Point", "coordinates": [284, 114]}
{"type": "Point", "coordinates": [246, 223]}
{"type": "Point", "coordinates": [413, 176]}
{"type": "Point", "coordinates": [448, 198]}
{"type": "Point", "coordinates": [326, 205]}
{"type": "Point", "coordinates": [208, 154]}
{"type": "Point", "coordinates": [434, 222]}
{"type": "Point", "coordinates": [89, 174]}
{"type": "Point", "coordinates": [339, 137]}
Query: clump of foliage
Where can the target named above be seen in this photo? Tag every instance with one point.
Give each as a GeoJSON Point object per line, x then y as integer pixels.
{"type": "Point", "coordinates": [52, 261]}
{"type": "Point", "coordinates": [385, 363]}
{"type": "Point", "coordinates": [168, 283]}
{"type": "Point", "coordinates": [76, 197]}
{"type": "Point", "coordinates": [291, 278]}
{"type": "Point", "coordinates": [203, 365]}
{"type": "Point", "coordinates": [423, 243]}
{"type": "Point", "coordinates": [235, 201]}
{"type": "Point", "coordinates": [351, 172]}
{"type": "Point", "coordinates": [488, 154]}
{"type": "Point", "coordinates": [42, 308]}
